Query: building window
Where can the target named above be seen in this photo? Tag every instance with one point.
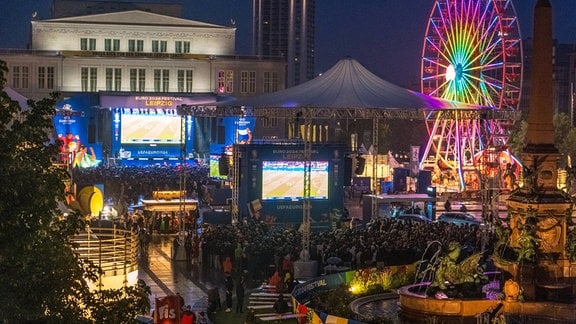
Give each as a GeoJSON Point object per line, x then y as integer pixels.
{"type": "Point", "coordinates": [20, 76]}
{"type": "Point", "coordinates": [135, 45]}
{"type": "Point", "coordinates": [220, 81]}
{"type": "Point", "coordinates": [270, 82]}
{"type": "Point", "coordinates": [118, 79]}
{"type": "Point", "coordinates": [248, 81]}
{"type": "Point", "coordinates": [165, 80]}
{"type": "Point", "coordinates": [244, 82]}
{"type": "Point", "coordinates": [161, 80]}
{"type": "Point", "coordinates": [137, 80]}
{"type": "Point", "coordinates": [109, 78]}
{"type": "Point", "coordinates": [226, 81]}
{"type": "Point", "coordinates": [113, 79]}
{"type": "Point", "coordinates": [182, 47]}
{"type": "Point", "coordinates": [111, 45]}
{"type": "Point", "coordinates": [159, 46]}
{"type": "Point", "coordinates": [141, 80]}
{"type": "Point", "coordinates": [88, 78]}
{"type": "Point", "coordinates": [252, 82]}
{"type": "Point", "coordinates": [270, 122]}
{"type": "Point", "coordinates": [157, 79]}
{"type": "Point", "coordinates": [88, 44]}
{"type": "Point", "coordinates": [45, 77]}
{"type": "Point", "coordinates": [185, 80]}
{"type": "Point", "coordinates": [229, 81]}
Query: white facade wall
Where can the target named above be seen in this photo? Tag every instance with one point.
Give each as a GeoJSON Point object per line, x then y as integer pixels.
{"type": "Point", "coordinates": [54, 36]}
{"type": "Point", "coordinates": [72, 72]}
{"type": "Point", "coordinates": [33, 62]}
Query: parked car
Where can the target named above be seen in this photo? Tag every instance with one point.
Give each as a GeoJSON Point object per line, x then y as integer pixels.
{"type": "Point", "coordinates": [459, 218]}
{"type": "Point", "coordinates": [417, 218]}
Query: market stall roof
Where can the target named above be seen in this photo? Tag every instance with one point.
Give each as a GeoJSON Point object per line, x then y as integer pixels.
{"type": "Point", "coordinates": [348, 84]}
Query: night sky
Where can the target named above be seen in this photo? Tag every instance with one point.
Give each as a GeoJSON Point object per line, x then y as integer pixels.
{"type": "Point", "coordinates": [385, 36]}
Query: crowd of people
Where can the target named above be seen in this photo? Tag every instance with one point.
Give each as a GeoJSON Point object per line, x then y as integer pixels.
{"type": "Point", "coordinates": [128, 184]}
{"type": "Point", "coordinates": [384, 241]}
{"type": "Point", "coordinates": [254, 245]}
{"type": "Point", "coordinates": [256, 250]}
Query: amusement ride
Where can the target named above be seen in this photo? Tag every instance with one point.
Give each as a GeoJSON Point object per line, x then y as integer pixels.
{"type": "Point", "coordinates": [472, 53]}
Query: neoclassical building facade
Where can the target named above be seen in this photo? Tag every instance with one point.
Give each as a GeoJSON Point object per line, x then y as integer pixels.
{"type": "Point", "coordinates": [112, 66]}
{"type": "Point", "coordinates": [137, 52]}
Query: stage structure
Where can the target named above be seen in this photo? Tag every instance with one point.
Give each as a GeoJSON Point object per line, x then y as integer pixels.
{"type": "Point", "coordinates": [135, 130]}
{"type": "Point", "coordinates": [109, 122]}
{"type": "Point", "coordinates": [472, 53]}
{"type": "Point", "coordinates": [310, 114]}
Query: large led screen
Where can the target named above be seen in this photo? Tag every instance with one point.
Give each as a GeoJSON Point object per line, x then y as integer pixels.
{"type": "Point", "coordinates": [284, 180]}
{"type": "Point", "coordinates": [150, 129]}
{"type": "Point", "coordinates": [215, 167]}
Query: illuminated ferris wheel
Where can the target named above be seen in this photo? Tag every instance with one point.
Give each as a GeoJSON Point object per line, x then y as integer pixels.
{"type": "Point", "coordinates": [472, 53]}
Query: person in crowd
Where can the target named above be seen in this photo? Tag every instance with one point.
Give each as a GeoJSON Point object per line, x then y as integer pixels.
{"type": "Point", "coordinates": [281, 305]}
{"type": "Point", "coordinates": [447, 205]}
{"type": "Point", "coordinates": [202, 318]}
{"type": "Point", "coordinates": [240, 287]}
{"type": "Point", "coordinates": [287, 264]}
{"type": "Point", "coordinates": [238, 255]}
{"type": "Point", "coordinates": [229, 288]}
{"type": "Point", "coordinates": [164, 224]}
{"type": "Point", "coordinates": [274, 279]}
{"type": "Point", "coordinates": [214, 301]}
{"type": "Point", "coordinates": [227, 265]}
{"type": "Point", "coordinates": [463, 208]}
{"type": "Point", "coordinates": [181, 301]}
{"type": "Point", "coordinates": [289, 282]}
{"type": "Point", "coordinates": [187, 316]}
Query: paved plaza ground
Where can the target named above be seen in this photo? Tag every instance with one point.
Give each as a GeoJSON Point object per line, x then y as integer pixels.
{"type": "Point", "coordinates": [193, 281]}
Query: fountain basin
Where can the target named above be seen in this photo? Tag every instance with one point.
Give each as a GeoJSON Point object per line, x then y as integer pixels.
{"type": "Point", "coordinates": [416, 306]}
{"type": "Point", "coordinates": [412, 303]}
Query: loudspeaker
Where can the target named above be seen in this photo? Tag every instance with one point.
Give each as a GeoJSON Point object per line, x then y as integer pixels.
{"type": "Point", "coordinates": [348, 170]}
{"type": "Point", "coordinates": [221, 135]}
{"type": "Point", "coordinates": [424, 181]}
{"type": "Point", "coordinates": [399, 180]}
{"type": "Point", "coordinates": [360, 163]}
{"type": "Point", "coordinates": [223, 166]}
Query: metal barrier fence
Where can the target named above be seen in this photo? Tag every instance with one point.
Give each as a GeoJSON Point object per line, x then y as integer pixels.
{"type": "Point", "coordinates": [113, 249]}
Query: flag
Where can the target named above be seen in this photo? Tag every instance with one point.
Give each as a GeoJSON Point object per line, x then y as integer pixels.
{"type": "Point", "coordinates": [167, 310]}
{"type": "Point", "coordinates": [392, 161]}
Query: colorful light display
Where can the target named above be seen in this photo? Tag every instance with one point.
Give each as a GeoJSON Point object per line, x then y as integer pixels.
{"type": "Point", "coordinates": [472, 53]}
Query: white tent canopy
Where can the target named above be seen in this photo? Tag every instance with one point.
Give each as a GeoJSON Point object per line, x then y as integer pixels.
{"type": "Point", "coordinates": [346, 85]}
{"type": "Point", "coordinates": [16, 96]}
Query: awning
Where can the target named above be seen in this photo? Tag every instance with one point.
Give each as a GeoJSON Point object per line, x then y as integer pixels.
{"type": "Point", "coordinates": [170, 205]}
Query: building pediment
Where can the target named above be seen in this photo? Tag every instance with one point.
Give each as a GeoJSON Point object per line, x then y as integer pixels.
{"type": "Point", "coordinates": [133, 17]}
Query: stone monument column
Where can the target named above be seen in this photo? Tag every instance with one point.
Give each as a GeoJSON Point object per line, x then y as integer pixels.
{"type": "Point", "coordinates": [538, 211]}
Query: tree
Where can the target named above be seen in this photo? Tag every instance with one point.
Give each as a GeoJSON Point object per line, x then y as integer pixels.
{"type": "Point", "coordinates": [516, 139]}
{"type": "Point", "coordinates": [42, 278]}
{"type": "Point", "coordinates": [564, 136]}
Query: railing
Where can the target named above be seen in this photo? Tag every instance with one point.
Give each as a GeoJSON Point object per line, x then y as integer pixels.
{"type": "Point", "coordinates": [114, 250]}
